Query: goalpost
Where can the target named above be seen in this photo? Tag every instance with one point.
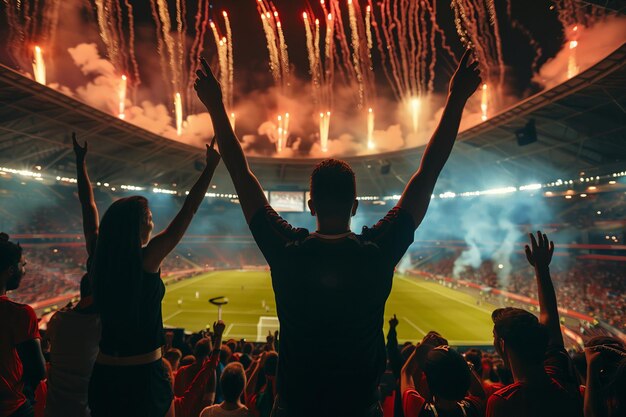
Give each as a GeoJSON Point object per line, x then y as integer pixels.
{"type": "Point", "coordinates": [266, 324]}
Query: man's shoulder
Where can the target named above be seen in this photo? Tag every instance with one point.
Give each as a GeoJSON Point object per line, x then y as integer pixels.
{"type": "Point", "coordinates": [507, 392]}
{"type": "Point", "coordinates": [13, 307]}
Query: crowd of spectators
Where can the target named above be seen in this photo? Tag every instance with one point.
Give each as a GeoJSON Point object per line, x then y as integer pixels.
{"type": "Point", "coordinates": [591, 287]}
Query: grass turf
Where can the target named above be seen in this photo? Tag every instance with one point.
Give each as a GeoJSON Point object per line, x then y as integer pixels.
{"type": "Point", "coordinates": [419, 305]}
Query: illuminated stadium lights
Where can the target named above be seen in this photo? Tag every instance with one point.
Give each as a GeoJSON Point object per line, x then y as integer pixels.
{"type": "Point", "coordinates": [612, 182]}
{"type": "Point", "coordinates": [495, 191]}
{"type": "Point", "coordinates": [392, 197]}
{"type": "Point", "coordinates": [368, 198]}
{"type": "Point", "coordinates": [447, 194]}
{"type": "Point", "coordinates": [69, 180]}
{"type": "Point", "coordinates": [130, 188]}
{"type": "Point", "coordinates": [592, 188]}
{"type": "Point", "coordinates": [23, 173]}
{"type": "Point", "coordinates": [568, 197]}
{"type": "Point", "coordinates": [583, 195]}
{"type": "Point", "coordinates": [163, 191]}
{"type": "Point", "coordinates": [530, 187]}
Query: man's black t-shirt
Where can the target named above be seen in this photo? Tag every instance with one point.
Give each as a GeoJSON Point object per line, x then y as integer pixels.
{"type": "Point", "coordinates": [330, 296]}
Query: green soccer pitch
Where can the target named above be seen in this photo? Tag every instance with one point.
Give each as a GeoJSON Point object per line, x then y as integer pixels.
{"type": "Point", "coordinates": [419, 305]}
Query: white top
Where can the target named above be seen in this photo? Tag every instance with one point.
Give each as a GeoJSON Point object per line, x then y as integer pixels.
{"type": "Point", "coordinates": [218, 411]}
{"type": "Point", "coordinates": [74, 339]}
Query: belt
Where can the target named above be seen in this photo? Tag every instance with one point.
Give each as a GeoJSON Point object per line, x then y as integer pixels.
{"type": "Point", "coordinates": [143, 359]}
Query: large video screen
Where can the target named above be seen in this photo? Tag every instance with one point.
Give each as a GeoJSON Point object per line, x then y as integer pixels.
{"type": "Point", "coordinates": [287, 201]}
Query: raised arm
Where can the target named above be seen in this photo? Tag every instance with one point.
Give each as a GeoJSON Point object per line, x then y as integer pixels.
{"type": "Point", "coordinates": [416, 195]}
{"type": "Point", "coordinates": [163, 243]}
{"type": "Point", "coordinates": [248, 189]}
{"type": "Point", "coordinates": [85, 196]}
{"type": "Point", "coordinates": [393, 352]}
{"type": "Point", "coordinates": [595, 401]}
{"type": "Point", "coordinates": [539, 255]}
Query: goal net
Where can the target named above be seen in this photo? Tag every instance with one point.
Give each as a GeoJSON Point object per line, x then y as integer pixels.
{"type": "Point", "coordinates": [264, 326]}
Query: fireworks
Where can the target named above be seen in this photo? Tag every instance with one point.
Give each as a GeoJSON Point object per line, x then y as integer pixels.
{"type": "Point", "coordinates": [39, 66]}
{"type": "Point", "coordinates": [483, 103]}
{"type": "Point", "coordinates": [225, 60]}
{"type": "Point", "coordinates": [178, 108]}
{"type": "Point", "coordinates": [121, 92]}
{"type": "Point", "coordinates": [324, 130]}
{"type": "Point", "coordinates": [282, 132]}
{"type": "Point", "coordinates": [118, 40]}
{"type": "Point", "coordinates": [408, 34]}
{"type": "Point", "coordinates": [415, 106]}
{"type": "Point", "coordinates": [477, 27]}
{"type": "Point", "coordinates": [572, 64]}
{"type": "Point", "coordinates": [321, 70]}
{"type": "Point", "coordinates": [276, 45]}
{"type": "Point", "coordinates": [370, 129]}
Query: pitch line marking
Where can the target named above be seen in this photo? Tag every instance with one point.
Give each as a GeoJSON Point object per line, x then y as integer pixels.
{"type": "Point", "coordinates": [166, 318]}
{"type": "Point", "coordinates": [447, 296]}
{"type": "Point", "coordinates": [191, 281]}
{"type": "Point", "coordinates": [416, 327]}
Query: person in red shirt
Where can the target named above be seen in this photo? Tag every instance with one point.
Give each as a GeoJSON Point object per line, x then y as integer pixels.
{"type": "Point", "coordinates": [453, 389]}
{"type": "Point", "coordinates": [22, 365]}
{"type": "Point", "coordinates": [186, 374]}
{"type": "Point", "coordinates": [544, 380]}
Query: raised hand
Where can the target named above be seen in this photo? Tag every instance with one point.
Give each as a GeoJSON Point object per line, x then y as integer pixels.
{"type": "Point", "coordinates": [218, 328]}
{"type": "Point", "coordinates": [208, 88]}
{"type": "Point", "coordinates": [80, 151]}
{"type": "Point", "coordinates": [466, 78]}
{"type": "Point", "coordinates": [212, 156]}
{"type": "Point", "coordinates": [269, 338]}
{"type": "Point", "coordinates": [539, 254]}
{"type": "Point", "coordinates": [393, 322]}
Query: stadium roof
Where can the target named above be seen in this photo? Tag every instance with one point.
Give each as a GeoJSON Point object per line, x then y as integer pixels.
{"type": "Point", "coordinates": [580, 124]}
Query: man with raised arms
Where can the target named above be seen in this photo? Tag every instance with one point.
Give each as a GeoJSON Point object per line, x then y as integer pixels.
{"type": "Point", "coordinates": [331, 360]}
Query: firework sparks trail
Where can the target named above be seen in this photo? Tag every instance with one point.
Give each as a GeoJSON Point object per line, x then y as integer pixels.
{"type": "Point", "coordinates": [131, 43]}
{"type": "Point", "coordinates": [324, 130]}
{"type": "Point", "coordinates": [408, 35]}
{"type": "Point", "coordinates": [321, 70]}
{"type": "Point", "coordinates": [225, 61]}
{"type": "Point", "coordinates": [121, 92]}
{"type": "Point", "coordinates": [200, 27]}
{"type": "Point", "coordinates": [477, 26]}
{"type": "Point", "coordinates": [276, 45]}
{"type": "Point", "coordinates": [572, 64]}
{"type": "Point", "coordinates": [230, 65]}
{"type": "Point", "coordinates": [170, 43]}
{"type": "Point", "coordinates": [483, 103]}
{"type": "Point", "coordinates": [178, 107]}
{"type": "Point", "coordinates": [370, 129]}
{"type": "Point", "coordinates": [39, 66]}
{"type": "Point", "coordinates": [160, 44]}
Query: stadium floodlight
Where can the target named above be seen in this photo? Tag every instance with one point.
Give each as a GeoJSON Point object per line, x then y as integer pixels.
{"type": "Point", "coordinates": [530, 187]}
{"type": "Point", "coordinates": [163, 191]}
{"type": "Point", "coordinates": [494, 191]}
{"type": "Point", "coordinates": [23, 173]}
{"type": "Point", "coordinates": [447, 194]}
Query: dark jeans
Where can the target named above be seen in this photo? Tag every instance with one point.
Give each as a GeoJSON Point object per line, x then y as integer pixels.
{"type": "Point", "coordinates": [26, 410]}
{"type": "Point", "coordinates": [281, 410]}
{"type": "Point", "coordinates": [133, 391]}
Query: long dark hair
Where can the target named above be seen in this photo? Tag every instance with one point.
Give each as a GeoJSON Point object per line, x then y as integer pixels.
{"type": "Point", "coordinates": [117, 268]}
